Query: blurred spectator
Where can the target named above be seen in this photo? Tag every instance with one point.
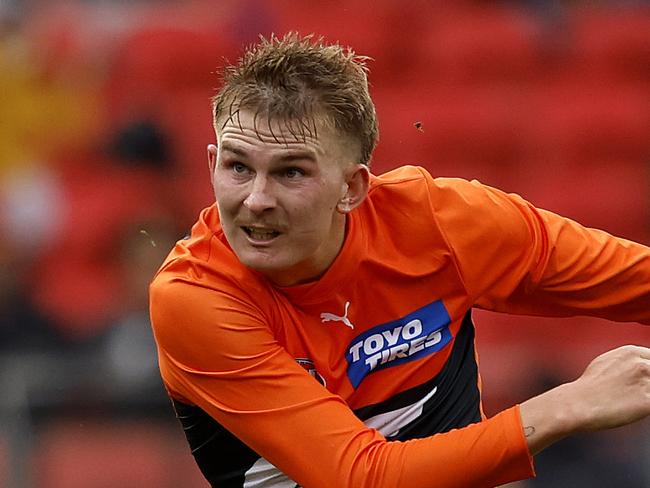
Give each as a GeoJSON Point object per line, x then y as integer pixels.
{"type": "Point", "coordinates": [129, 347]}
{"type": "Point", "coordinates": [77, 278]}
{"type": "Point", "coordinates": [23, 327]}
{"type": "Point", "coordinates": [30, 202]}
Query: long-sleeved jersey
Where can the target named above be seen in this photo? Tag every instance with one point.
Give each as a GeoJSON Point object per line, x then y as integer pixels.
{"type": "Point", "coordinates": [368, 376]}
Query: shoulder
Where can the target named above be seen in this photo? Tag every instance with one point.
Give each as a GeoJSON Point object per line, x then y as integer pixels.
{"type": "Point", "coordinates": [409, 201]}
{"type": "Point", "coordinates": [447, 196]}
{"type": "Point", "coordinates": [204, 322]}
{"type": "Point", "coordinates": [416, 183]}
{"type": "Point", "coordinates": [202, 289]}
{"type": "Point", "coordinates": [413, 191]}
{"type": "Point", "coordinates": [399, 180]}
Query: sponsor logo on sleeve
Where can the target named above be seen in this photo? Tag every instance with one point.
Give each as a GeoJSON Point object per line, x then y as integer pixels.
{"type": "Point", "coordinates": [309, 366]}
{"type": "Point", "coordinates": [414, 336]}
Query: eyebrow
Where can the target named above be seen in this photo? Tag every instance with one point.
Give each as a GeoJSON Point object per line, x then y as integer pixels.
{"type": "Point", "coordinates": [232, 149]}
{"type": "Point", "coordinates": [290, 155]}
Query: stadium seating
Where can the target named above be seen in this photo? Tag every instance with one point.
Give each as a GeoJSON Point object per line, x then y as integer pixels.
{"type": "Point", "coordinates": [577, 117]}
{"type": "Point", "coordinates": [612, 42]}
{"type": "Point", "coordinates": [77, 279]}
{"type": "Point", "coordinates": [154, 65]}
{"type": "Point", "coordinates": [481, 44]}
{"type": "Point", "coordinates": [382, 30]}
{"type": "Point", "coordinates": [127, 454]}
{"type": "Point", "coordinates": [469, 132]}
{"type": "Point", "coordinates": [617, 189]}
{"type": "Point", "coordinates": [548, 101]}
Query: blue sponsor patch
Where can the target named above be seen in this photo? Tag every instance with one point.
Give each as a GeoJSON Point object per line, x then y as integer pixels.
{"type": "Point", "coordinates": [412, 337]}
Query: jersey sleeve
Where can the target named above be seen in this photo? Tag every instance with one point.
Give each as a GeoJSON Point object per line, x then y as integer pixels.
{"type": "Point", "coordinates": [513, 257]}
{"type": "Point", "coordinates": [217, 352]}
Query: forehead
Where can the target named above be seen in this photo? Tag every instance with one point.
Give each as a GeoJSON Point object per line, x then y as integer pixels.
{"type": "Point", "coordinates": [248, 130]}
{"type": "Point", "coordinates": [273, 130]}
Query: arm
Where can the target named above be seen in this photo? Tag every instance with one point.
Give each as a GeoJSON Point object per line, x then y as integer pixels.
{"type": "Point", "coordinates": [235, 370]}
{"type": "Point", "coordinates": [515, 258]}
{"type": "Point", "coordinates": [239, 375]}
{"type": "Point", "coordinates": [613, 391]}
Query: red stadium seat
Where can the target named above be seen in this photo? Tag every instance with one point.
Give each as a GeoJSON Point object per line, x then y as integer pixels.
{"type": "Point", "coordinates": [512, 348]}
{"type": "Point", "coordinates": [155, 65]}
{"type": "Point", "coordinates": [383, 30]}
{"type": "Point", "coordinates": [85, 456]}
{"type": "Point", "coordinates": [169, 75]}
{"type": "Point", "coordinates": [607, 194]}
{"type": "Point", "coordinates": [465, 132]}
{"type": "Point", "coordinates": [481, 44]}
{"type": "Point", "coordinates": [613, 42]}
{"type": "Point", "coordinates": [113, 454]}
{"type": "Point", "coordinates": [102, 203]}
{"type": "Point", "coordinates": [336, 21]}
{"type": "Point", "coordinates": [189, 123]}
{"type": "Point", "coordinates": [578, 117]}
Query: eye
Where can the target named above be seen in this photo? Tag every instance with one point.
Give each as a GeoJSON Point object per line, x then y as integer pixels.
{"type": "Point", "coordinates": [239, 168]}
{"type": "Point", "coordinates": [294, 173]}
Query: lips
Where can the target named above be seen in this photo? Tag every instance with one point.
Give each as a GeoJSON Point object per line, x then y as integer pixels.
{"type": "Point", "coordinates": [260, 234]}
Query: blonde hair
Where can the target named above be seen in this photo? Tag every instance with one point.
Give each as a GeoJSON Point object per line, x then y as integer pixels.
{"type": "Point", "coordinates": [296, 80]}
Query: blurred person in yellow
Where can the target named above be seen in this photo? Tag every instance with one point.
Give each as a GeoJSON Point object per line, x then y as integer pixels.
{"type": "Point", "coordinates": [40, 113]}
{"type": "Point", "coordinates": [315, 328]}
{"type": "Point", "coordinates": [44, 111]}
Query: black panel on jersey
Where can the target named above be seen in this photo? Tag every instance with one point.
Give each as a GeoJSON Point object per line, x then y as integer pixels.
{"type": "Point", "coordinates": [455, 404]}
{"type": "Point", "coordinates": [222, 458]}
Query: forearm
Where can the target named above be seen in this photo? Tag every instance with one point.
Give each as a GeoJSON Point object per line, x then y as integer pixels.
{"type": "Point", "coordinates": [486, 454]}
{"type": "Point", "coordinates": [547, 418]}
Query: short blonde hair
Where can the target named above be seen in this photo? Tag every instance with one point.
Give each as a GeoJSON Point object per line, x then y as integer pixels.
{"type": "Point", "coordinates": [297, 79]}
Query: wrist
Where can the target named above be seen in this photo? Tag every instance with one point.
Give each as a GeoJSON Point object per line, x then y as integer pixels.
{"type": "Point", "coordinates": [549, 417]}
{"type": "Point", "coordinates": [570, 412]}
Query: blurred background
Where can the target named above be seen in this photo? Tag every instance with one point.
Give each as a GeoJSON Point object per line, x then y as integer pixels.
{"type": "Point", "coordinates": [104, 120]}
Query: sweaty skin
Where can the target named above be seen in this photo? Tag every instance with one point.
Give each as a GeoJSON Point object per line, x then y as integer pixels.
{"type": "Point", "coordinates": [282, 199]}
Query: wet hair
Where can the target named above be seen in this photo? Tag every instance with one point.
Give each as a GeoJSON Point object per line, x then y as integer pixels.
{"type": "Point", "coordinates": [301, 81]}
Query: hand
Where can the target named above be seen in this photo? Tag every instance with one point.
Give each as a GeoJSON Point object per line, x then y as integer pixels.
{"type": "Point", "coordinates": [614, 390]}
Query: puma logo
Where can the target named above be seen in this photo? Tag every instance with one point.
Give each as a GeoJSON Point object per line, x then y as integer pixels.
{"type": "Point", "coordinates": [326, 317]}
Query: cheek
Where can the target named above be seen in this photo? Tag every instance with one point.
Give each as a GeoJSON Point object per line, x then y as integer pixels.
{"type": "Point", "coordinates": [225, 195]}
{"type": "Point", "coordinates": [314, 219]}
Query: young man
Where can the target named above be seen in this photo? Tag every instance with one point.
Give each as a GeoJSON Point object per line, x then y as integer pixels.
{"type": "Point", "coordinates": [315, 329]}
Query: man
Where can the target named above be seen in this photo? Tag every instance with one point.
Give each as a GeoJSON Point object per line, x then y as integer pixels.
{"type": "Point", "coordinates": [315, 329]}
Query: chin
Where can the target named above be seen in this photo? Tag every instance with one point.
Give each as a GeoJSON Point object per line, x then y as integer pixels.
{"type": "Point", "coordinates": [264, 263]}
{"type": "Point", "coordinates": [283, 272]}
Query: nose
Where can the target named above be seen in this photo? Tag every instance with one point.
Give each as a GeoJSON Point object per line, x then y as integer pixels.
{"type": "Point", "coordinates": [261, 197]}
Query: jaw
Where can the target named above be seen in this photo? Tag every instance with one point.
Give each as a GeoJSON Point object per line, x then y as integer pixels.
{"type": "Point", "coordinates": [288, 261]}
{"type": "Point", "coordinates": [287, 256]}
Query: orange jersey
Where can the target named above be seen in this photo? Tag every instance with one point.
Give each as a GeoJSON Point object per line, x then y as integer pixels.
{"type": "Point", "coordinates": [368, 376]}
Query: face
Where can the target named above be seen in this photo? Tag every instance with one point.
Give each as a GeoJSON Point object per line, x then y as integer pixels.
{"type": "Point", "coordinates": [282, 200]}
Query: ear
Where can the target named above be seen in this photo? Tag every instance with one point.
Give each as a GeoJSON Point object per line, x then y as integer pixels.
{"type": "Point", "coordinates": [212, 158]}
{"type": "Point", "coordinates": [355, 189]}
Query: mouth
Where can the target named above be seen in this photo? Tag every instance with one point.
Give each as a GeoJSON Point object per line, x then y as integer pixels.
{"type": "Point", "coordinates": [260, 234]}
